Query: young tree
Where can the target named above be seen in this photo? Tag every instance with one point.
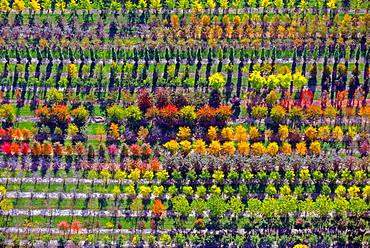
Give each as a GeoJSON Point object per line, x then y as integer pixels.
{"type": "Point", "coordinates": [224, 4]}
{"type": "Point", "coordinates": [211, 5]}
{"type": "Point", "coordinates": [46, 5]}
{"type": "Point", "coordinates": [4, 6]}
{"type": "Point", "coordinates": [156, 5]}
{"type": "Point", "coordinates": [183, 5]}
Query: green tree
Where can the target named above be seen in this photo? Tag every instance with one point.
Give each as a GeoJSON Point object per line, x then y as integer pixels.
{"type": "Point", "coordinates": [181, 205]}
{"type": "Point", "coordinates": [252, 3]}
{"type": "Point", "coordinates": [183, 5]}
{"type": "Point", "coordinates": [115, 6]}
{"type": "Point", "coordinates": [217, 206]}
{"type": "Point", "coordinates": [142, 4]}
{"type": "Point", "coordinates": [236, 205]}
{"type": "Point", "coordinates": [170, 4]}
{"type": "Point", "coordinates": [254, 206]}
{"type": "Point", "coordinates": [199, 206]}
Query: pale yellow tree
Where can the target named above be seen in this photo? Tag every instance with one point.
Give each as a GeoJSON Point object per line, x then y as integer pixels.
{"type": "Point", "coordinates": [46, 5]}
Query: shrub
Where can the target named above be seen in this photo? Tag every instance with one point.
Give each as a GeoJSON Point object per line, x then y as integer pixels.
{"type": "Point", "coordinates": [295, 114]}
{"type": "Point", "coordinates": [133, 114]}
{"type": "Point", "coordinates": [256, 81]}
{"type": "Point", "coordinates": [115, 114]}
{"type": "Point", "coordinates": [181, 205]}
{"type": "Point", "coordinates": [61, 115]}
{"type": "Point", "coordinates": [217, 81]}
{"type": "Point", "coordinates": [54, 96]}
{"type": "Point", "coordinates": [206, 116]}
{"type": "Point", "coordinates": [7, 112]}
{"type": "Point", "coordinates": [313, 113]}
{"type": "Point", "coordinates": [259, 112]}
{"type": "Point", "coordinates": [278, 114]}
{"type": "Point", "coordinates": [145, 100]}
{"type": "Point", "coordinates": [188, 115]}
{"type": "Point", "coordinates": [80, 115]}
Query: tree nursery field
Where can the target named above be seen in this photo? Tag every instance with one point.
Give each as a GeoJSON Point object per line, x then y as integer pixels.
{"type": "Point", "coordinates": [185, 123]}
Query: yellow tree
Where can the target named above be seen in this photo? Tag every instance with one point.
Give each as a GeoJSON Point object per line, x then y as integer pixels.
{"type": "Point", "coordinates": [46, 5]}
{"type": "Point", "coordinates": [265, 4]}
{"type": "Point", "coordinates": [356, 5]}
{"type": "Point", "coordinates": [4, 5]}
{"type": "Point", "coordinates": [35, 6]}
{"type": "Point", "coordinates": [291, 5]}
{"type": "Point", "coordinates": [61, 6]}
{"type": "Point", "coordinates": [115, 6]}
{"type": "Point", "coordinates": [6, 205]}
{"type": "Point", "coordinates": [196, 6]}
{"type": "Point", "coordinates": [252, 3]}
{"type": "Point", "coordinates": [19, 5]}
{"type": "Point", "coordinates": [332, 5]}
{"type": "Point", "coordinates": [303, 5]}
{"type": "Point", "coordinates": [142, 4]}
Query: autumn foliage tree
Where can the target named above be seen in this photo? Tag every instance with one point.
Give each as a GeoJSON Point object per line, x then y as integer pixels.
{"type": "Point", "coordinates": [158, 211]}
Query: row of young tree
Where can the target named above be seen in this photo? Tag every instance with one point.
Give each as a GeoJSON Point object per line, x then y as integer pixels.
{"type": "Point", "coordinates": [84, 70]}
{"type": "Point", "coordinates": [195, 5]}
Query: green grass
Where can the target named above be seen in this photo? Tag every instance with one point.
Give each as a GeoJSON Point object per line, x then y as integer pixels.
{"type": "Point", "coordinates": [97, 111]}
{"type": "Point", "coordinates": [94, 143]}
{"type": "Point", "coordinates": [127, 223]}
{"type": "Point", "coordinates": [25, 124]}
{"type": "Point", "coordinates": [93, 127]}
{"type": "Point", "coordinates": [24, 111]}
